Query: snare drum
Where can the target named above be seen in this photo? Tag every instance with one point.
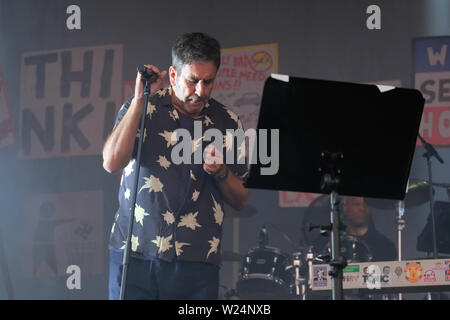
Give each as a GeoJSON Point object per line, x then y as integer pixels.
{"type": "Point", "coordinates": [265, 274]}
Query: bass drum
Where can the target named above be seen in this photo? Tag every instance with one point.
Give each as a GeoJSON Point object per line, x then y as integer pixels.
{"type": "Point", "coordinates": [265, 275]}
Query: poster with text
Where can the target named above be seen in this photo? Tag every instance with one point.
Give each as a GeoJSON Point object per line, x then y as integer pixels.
{"type": "Point", "coordinates": [240, 80]}
{"type": "Point", "coordinates": [432, 78]}
{"type": "Point", "coordinates": [68, 100]}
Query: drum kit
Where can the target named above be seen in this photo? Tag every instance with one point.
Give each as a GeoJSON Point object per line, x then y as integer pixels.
{"type": "Point", "coordinates": [268, 273]}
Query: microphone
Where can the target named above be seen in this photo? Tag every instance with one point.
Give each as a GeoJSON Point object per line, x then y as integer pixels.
{"type": "Point", "coordinates": [263, 236]}
{"type": "Point", "coordinates": [430, 149]}
{"type": "Point", "coordinates": [147, 74]}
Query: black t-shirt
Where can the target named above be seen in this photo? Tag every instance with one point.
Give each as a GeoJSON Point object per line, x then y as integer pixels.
{"type": "Point", "coordinates": [372, 246]}
{"type": "Point", "coordinates": [380, 247]}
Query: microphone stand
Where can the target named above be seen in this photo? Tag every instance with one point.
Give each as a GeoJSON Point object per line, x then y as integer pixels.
{"type": "Point", "coordinates": [331, 178]}
{"type": "Point", "coordinates": [400, 226]}
{"type": "Point", "coordinates": [430, 152]}
{"type": "Point", "coordinates": [263, 238]}
{"type": "Point", "coordinates": [147, 78]}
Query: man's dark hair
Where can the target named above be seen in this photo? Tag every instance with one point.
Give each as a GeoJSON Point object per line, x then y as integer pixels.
{"type": "Point", "coordinates": [195, 47]}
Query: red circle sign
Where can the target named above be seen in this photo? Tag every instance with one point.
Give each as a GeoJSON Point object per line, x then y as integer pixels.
{"type": "Point", "coordinates": [261, 61]}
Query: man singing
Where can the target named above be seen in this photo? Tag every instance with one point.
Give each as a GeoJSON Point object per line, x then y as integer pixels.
{"type": "Point", "coordinates": [177, 230]}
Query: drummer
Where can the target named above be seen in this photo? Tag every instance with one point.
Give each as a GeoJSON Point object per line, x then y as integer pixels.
{"type": "Point", "coordinates": [357, 218]}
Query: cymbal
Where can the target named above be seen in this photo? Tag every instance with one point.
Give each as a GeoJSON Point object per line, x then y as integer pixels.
{"type": "Point", "coordinates": [231, 256]}
{"type": "Point", "coordinates": [417, 195]}
{"type": "Point", "coordinates": [248, 211]}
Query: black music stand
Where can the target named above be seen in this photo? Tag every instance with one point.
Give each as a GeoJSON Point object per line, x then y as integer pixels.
{"type": "Point", "coordinates": [338, 138]}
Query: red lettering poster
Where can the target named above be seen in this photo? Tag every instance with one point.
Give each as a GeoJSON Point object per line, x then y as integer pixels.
{"type": "Point", "coordinates": [240, 80]}
{"type": "Point", "coordinates": [432, 78]}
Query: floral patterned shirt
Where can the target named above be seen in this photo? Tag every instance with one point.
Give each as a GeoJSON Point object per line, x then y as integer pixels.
{"type": "Point", "coordinates": [179, 207]}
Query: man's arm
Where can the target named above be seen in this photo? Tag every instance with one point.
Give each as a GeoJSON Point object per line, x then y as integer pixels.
{"type": "Point", "coordinates": [233, 190]}
{"type": "Point", "coordinates": [119, 146]}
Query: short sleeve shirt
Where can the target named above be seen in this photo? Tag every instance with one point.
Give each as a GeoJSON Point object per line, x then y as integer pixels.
{"type": "Point", "coordinates": [179, 208]}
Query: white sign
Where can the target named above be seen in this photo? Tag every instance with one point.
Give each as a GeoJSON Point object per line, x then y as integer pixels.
{"type": "Point", "coordinates": [240, 80]}
{"type": "Point", "coordinates": [68, 100]}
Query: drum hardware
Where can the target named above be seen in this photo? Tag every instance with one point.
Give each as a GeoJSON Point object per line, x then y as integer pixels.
{"type": "Point", "coordinates": [330, 168]}
{"type": "Point", "coordinates": [269, 273]}
{"type": "Point", "coordinates": [299, 283]}
{"type": "Point", "coordinates": [418, 192]}
{"type": "Point", "coordinates": [326, 257]}
{"type": "Point", "coordinates": [443, 185]}
{"type": "Point", "coordinates": [310, 259]}
{"type": "Point", "coordinates": [285, 236]}
{"type": "Point", "coordinates": [230, 293]}
{"type": "Point", "coordinates": [400, 221]}
{"type": "Point", "coordinates": [324, 229]}
{"type": "Point", "coordinates": [431, 152]}
{"type": "Point", "coordinates": [265, 274]}
{"type": "Point", "coordinates": [248, 211]}
{"type": "Point", "coordinates": [352, 249]}
{"type": "Point", "coordinates": [263, 238]}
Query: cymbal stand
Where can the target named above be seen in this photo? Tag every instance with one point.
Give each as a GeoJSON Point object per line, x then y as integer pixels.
{"type": "Point", "coordinates": [400, 227]}
{"type": "Point", "coordinates": [431, 152]}
{"type": "Point", "coordinates": [300, 287]}
{"type": "Point", "coordinates": [309, 260]}
{"type": "Point", "coordinates": [331, 178]}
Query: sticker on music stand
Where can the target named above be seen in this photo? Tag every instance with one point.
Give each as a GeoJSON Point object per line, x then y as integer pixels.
{"type": "Point", "coordinates": [413, 272]}
{"type": "Point", "coordinates": [320, 276]}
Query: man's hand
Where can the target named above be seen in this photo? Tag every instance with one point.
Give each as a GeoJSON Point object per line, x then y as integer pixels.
{"type": "Point", "coordinates": [214, 161]}
{"type": "Point", "coordinates": [232, 187]}
{"type": "Point", "coordinates": [155, 86]}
